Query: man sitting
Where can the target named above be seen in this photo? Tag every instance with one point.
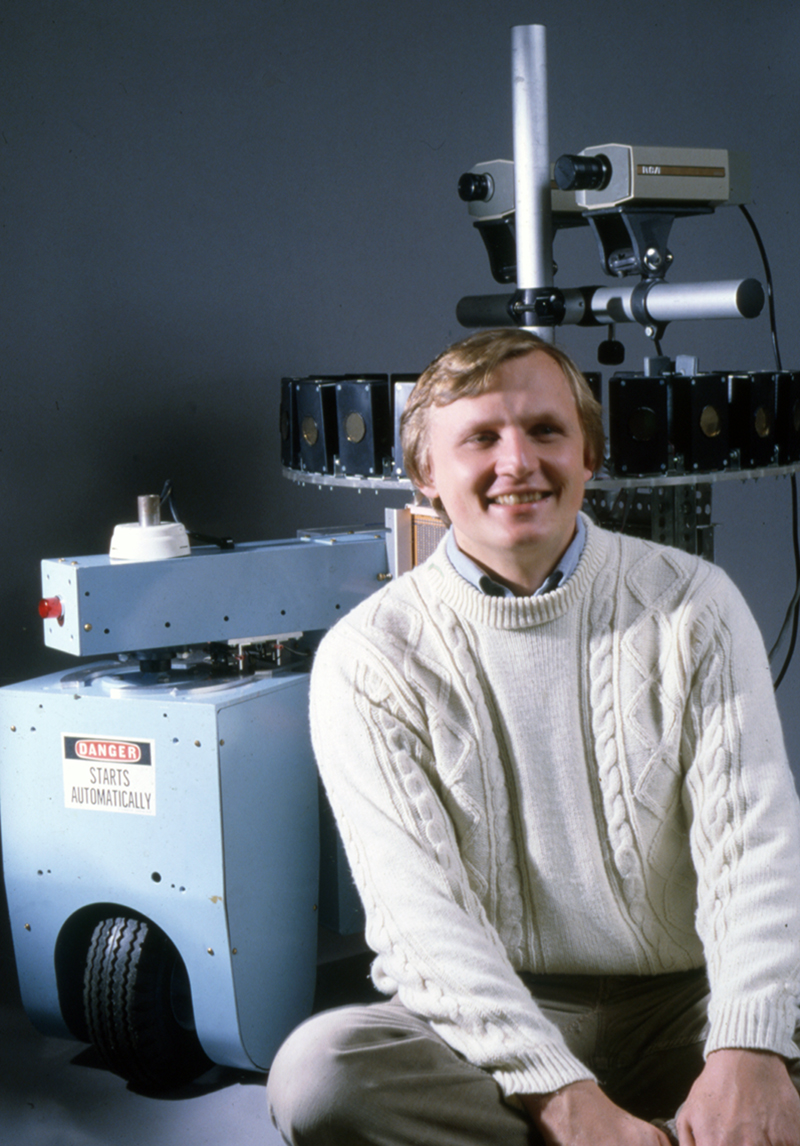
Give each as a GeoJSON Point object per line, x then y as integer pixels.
{"type": "Point", "coordinates": [556, 764]}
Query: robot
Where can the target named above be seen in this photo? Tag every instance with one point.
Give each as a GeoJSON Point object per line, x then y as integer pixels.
{"type": "Point", "coordinates": [160, 812]}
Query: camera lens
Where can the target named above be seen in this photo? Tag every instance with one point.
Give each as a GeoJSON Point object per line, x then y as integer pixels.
{"type": "Point", "coordinates": [473, 187]}
{"type": "Point", "coordinates": [582, 172]}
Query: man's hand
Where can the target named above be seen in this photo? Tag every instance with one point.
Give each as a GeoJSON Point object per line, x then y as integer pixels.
{"type": "Point", "coordinates": [742, 1098]}
{"type": "Point", "coordinates": [581, 1115]}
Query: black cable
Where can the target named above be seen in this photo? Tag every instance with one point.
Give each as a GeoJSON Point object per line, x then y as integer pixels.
{"type": "Point", "coordinates": [793, 611]}
{"type": "Point", "coordinates": [166, 499]}
{"type": "Point", "coordinates": [768, 276]}
{"type": "Point", "coordinates": [626, 509]}
{"type": "Point", "coordinates": [199, 538]}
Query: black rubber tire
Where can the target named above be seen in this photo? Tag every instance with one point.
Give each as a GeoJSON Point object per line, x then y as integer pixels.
{"type": "Point", "coordinates": [138, 1006]}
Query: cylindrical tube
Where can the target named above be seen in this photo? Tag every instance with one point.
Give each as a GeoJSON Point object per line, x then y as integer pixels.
{"type": "Point", "coordinates": [149, 506]}
{"type": "Point", "coordinates": [664, 302]}
{"type": "Point", "coordinates": [532, 217]}
{"type": "Point", "coordinates": [484, 310]}
{"type": "Point", "coordinates": [673, 302]}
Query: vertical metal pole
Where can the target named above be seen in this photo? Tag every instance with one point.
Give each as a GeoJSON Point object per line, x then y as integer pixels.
{"type": "Point", "coordinates": [533, 222]}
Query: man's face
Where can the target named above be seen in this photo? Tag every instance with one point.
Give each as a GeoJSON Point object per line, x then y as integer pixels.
{"type": "Point", "coordinates": [509, 468]}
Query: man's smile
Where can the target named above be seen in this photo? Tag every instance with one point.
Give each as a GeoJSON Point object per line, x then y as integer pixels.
{"type": "Point", "coordinates": [520, 498]}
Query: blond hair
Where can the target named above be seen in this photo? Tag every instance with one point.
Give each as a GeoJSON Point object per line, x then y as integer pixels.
{"type": "Point", "coordinates": [466, 369]}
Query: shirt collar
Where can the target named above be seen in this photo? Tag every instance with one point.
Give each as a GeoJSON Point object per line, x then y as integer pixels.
{"type": "Point", "coordinates": [478, 577]}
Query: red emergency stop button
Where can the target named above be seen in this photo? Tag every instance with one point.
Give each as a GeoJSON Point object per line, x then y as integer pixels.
{"type": "Point", "coordinates": [50, 608]}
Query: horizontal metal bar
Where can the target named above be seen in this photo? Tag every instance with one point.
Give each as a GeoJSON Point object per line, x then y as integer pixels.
{"type": "Point", "coordinates": [255, 590]}
{"type": "Point", "coordinates": [661, 302]}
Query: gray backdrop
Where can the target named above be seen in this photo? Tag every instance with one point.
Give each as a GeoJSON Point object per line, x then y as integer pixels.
{"type": "Point", "coordinates": [200, 196]}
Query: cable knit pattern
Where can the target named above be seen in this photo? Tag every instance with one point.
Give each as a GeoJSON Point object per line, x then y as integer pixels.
{"type": "Point", "coordinates": [590, 781]}
{"type": "Point", "coordinates": [605, 723]}
{"type": "Point", "coordinates": [714, 820]}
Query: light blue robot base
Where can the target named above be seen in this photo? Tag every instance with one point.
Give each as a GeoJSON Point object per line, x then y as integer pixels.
{"type": "Point", "coordinates": [215, 840]}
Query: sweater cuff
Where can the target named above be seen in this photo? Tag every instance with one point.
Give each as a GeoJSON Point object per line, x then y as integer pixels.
{"type": "Point", "coordinates": [763, 1022]}
{"type": "Point", "coordinates": [550, 1069]}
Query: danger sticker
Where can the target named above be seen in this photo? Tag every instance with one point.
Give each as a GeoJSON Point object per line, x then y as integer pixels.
{"type": "Point", "coordinates": [106, 774]}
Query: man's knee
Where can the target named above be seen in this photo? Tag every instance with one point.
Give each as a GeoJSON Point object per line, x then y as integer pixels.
{"type": "Point", "coordinates": [306, 1083]}
{"type": "Point", "coordinates": [380, 1074]}
{"type": "Point", "coordinates": [330, 1077]}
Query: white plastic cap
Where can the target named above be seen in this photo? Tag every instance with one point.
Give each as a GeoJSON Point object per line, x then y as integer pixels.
{"type": "Point", "coordinates": [134, 542]}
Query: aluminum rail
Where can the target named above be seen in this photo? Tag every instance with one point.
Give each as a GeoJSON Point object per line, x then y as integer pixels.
{"type": "Point", "coordinates": [656, 302]}
{"type": "Point", "coordinates": [605, 481]}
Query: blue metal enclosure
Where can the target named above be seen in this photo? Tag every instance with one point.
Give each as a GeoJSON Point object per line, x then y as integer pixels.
{"type": "Point", "coordinates": [196, 808]}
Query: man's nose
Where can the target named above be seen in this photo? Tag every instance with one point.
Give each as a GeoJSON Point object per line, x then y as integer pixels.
{"type": "Point", "coordinates": [518, 453]}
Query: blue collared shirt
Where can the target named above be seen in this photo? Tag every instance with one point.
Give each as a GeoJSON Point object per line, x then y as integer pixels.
{"type": "Point", "coordinates": [478, 577]}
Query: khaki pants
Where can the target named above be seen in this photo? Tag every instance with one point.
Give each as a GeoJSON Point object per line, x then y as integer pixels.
{"type": "Point", "coordinates": [376, 1074]}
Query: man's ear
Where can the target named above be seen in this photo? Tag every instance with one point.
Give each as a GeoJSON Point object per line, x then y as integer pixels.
{"type": "Point", "coordinates": [428, 485]}
{"type": "Point", "coordinates": [590, 465]}
{"type": "Point", "coordinates": [430, 491]}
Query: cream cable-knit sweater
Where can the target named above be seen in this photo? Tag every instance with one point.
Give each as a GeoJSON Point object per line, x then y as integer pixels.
{"type": "Point", "coordinates": [591, 781]}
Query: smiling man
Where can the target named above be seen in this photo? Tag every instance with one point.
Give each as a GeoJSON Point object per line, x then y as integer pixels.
{"type": "Point", "coordinates": [556, 763]}
{"type": "Point", "coordinates": [510, 466]}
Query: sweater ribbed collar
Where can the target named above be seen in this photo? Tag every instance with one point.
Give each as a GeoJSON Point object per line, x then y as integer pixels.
{"type": "Point", "coordinates": [515, 612]}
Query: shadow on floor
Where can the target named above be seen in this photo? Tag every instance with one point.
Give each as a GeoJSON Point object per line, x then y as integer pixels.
{"type": "Point", "coordinates": [58, 1092]}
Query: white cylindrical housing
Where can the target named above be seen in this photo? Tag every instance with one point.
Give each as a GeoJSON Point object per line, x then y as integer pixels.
{"type": "Point", "coordinates": [532, 215]}
{"type": "Point", "coordinates": [134, 542]}
{"type": "Point", "coordinates": [673, 302]}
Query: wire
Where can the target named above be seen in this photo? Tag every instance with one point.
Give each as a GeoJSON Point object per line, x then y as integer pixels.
{"type": "Point", "coordinates": [793, 612]}
{"type": "Point", "coordinates": [166, 499]}
{"type": "Point", "coordinates": [200, 538]}
{"type": "Point", "coordinates": [768, 276]}
{"type": "Point", "coordinates": [626, 510]}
